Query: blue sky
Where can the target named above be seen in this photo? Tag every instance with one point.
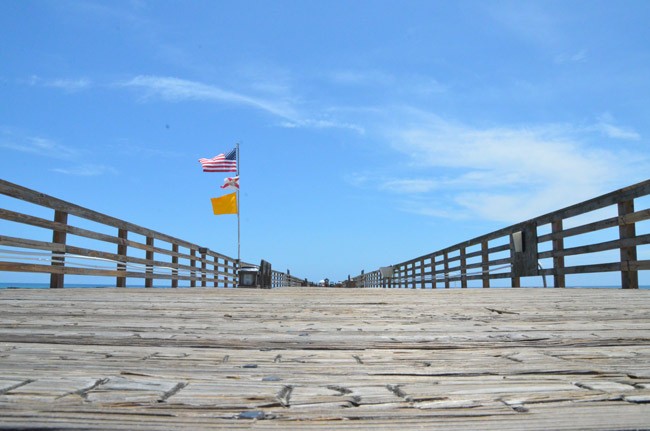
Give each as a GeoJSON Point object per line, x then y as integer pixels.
{"type": "Point", "coordinates": [371, 132]}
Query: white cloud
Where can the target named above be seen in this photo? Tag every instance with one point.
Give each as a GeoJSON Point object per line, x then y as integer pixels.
{"type": "Point", "coordinates": [526, 20]}
{"type": "Point", "coordinates": [323, 124]}
{"type": "Point", "coordinates": [69, 85]}
{"type": "Point", "coordinates": [606, 126]}
{"type": "Point", "coordinates": [357, 77]}
{"type": "Point", "coordinates": [502, 173]}
{"type": "Point", "coordinates": [577, 57]}
{"type": "Point", "coordinates": [410, 185]}
{"type": "Point", "coordinates": [86, 170]}
{"type": "Point", "coordinates": [35, 145]}
{"type": "Point", "coordinates": [410, 84]}
{"type": "Point", "coordinates": [176, 89]}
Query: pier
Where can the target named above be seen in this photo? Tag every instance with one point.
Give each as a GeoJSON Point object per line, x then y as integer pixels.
{"type": "Point", "coordinates": [199, 352]}
{"type": "Point", "coordinates": [310, 358]}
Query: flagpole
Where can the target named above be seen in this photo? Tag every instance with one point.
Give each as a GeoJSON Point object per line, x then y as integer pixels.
{"type": "Point", "coordinates": [238, 219]}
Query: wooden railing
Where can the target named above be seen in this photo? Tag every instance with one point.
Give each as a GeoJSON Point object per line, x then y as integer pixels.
{"type": "Point", "coordinates": [280, 279]}
{"type": "Point", "coordinates": [114, 248]}
{"type": "Point", "coordinates": [537, 248]}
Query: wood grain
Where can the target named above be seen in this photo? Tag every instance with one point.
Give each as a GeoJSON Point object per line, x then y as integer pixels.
{"type": "Point", "coordinates": [309, 358]}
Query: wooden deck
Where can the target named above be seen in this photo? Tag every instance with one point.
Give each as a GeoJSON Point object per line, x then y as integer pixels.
{"type": "Point", "coordinates": [300, 358]}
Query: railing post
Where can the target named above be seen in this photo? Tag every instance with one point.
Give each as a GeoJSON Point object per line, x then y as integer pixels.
{"type": "Point", "coordinates": [515, 261]}
{"type": "Point", "coordinates": [446, 262]}
{"type": "Point", "coordinates": [413, 284]}
{"type": "Point", "coordinates": [175, 266]}
{"type": "Point", "coordinates": [629, 275]}
{"type": "Point", "coordinates": [422, 272]}
{"type": "Point", "coordinates": [148, 281]}
{"type": "Point", "coordinates": [204, 266]}
{"type": "Point", "coordinates": [225, 277]}
{"type": "Point", "coordinates": [215, 272]}
{"type": "Point", "coordinates": [485, 264]}
{"type": "Point", "coordinates": [193, 265]}
{"type": "Point", "coordinates": [58, 237]}
{"type": "Point", "coordinates": [559, 279]}
{"type": "Point", "coordinates": [463, 268]}
{"type": "Point", "coordinates": [232, 279]}
{"type": "Point", "coordinates": [434, 271]}
{"type": "Point", "coordinates": [122, 234]}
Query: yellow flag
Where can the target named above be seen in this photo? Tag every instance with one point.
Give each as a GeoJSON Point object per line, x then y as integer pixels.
{"type": "Point", "coordinates": [225, 204]}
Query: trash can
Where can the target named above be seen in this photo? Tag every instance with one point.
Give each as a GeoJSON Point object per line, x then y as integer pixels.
{"type": "Point", "coordinates": [248, 276]}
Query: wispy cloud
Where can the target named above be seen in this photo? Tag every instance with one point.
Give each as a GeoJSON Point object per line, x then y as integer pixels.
{"type": "Point", "coordinates": [409, 84]}
{"type": "Point", "coordinates": [69, 85]}
{"type": "Point", "coordinates": [39, 147]}
{"type": "Point", "coordinates": [358, 77]}
{"type": "Point", "coordinates": [527, 21]}
{"type": "Point", "coordinates": [86, 170]}
{"type": "Point", "coordinates": [501, 173]}
{"type": "Point", "coordinates": [177, 90]}
{"type": "Point", "coordinates": [577, 57]}
{"type": "Point", "coordinates": [606, 126]}
{"type": "Point", "coordinates": [417, 185]}
{"type": "Point", "coordinates": [35, 145]}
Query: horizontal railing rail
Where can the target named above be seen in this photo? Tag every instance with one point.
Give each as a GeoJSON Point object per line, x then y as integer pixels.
{"type": "Point", "coordinates": [128, 252]}
{"type": "Point", "coordinates": [518, 251]}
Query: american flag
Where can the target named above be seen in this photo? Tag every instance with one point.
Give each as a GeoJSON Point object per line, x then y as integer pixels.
{"type": "Point", "coordinates": [221, 163]}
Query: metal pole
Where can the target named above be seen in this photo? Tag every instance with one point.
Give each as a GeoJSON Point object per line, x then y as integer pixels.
{"type": "Point", "coordinates": [238, 216]}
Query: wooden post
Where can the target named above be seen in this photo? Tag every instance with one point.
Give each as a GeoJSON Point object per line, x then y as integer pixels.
{"type": "Point", "coordinates": [204, 266]}
{"type": "Point", "coordinates": [413, 284]}
{"type": "Point", "coordinates": [226, 277]}
{"type": "Point", "coordinates": [215, 273]}
{"type": "Point", "coordinates": [58, 237]}
{"type": "Point", "coordinates": [148, 281]}
{"type": "Point", "coordinates": [629, 276]}
{"type": "Point", "coordinates": [446, 260]}
{"type": "Point", "coordinates": [434, 272]}
{"type": "Point", "coordinates": [485, 264]}
{"type": "Point", "coordinates": [122, 234]}
{"type": "Point", "coordinates": [423, 270]}
{"type": "Point", "coordinates": [514, 279]}
{"type": "Point", "coordinates": [395, 281]}
{"type": "Point", "coordinates": [193, 265]}
{"type": "Point", "coordinates": [463, 268]}
{"type": "Point", "coordinates": [559, 279]}
{"type": "Point", "coordinates": [515, 268]}
{"type": "Point", "coordinates": [175, 266]}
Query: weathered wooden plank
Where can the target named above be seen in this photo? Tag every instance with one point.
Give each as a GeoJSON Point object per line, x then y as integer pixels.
{"type": "Point", "coordinates": [602, 246]}
{"type": "Point", "coordinates": [319, 358]}
{"type": "Point", "coordinates": [621, 220]}
{"type": "Point", "coordinates": [48, 269]}
{"type": "Point", "coordinates": [30, 243]}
